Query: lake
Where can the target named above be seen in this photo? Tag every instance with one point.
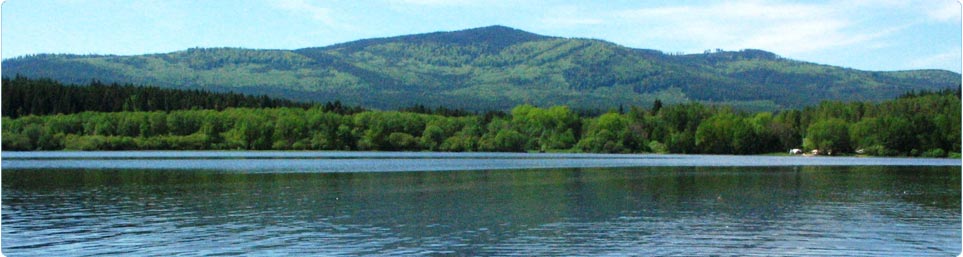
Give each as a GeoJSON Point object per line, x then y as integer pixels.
{"type": "Point", "coordinates": [411, 204]}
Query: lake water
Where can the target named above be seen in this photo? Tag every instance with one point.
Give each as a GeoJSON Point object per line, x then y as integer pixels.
{"type": "Point", "coordinates": [350, 203]}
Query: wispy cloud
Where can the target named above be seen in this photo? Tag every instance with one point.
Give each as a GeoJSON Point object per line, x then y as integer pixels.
{"type": "Point", "coordinates": [568, 15]}
{"type": "Point", "coordinates": [938, 60]}
{"type": "Point", "coordinates": [162, 15]}
{"type": "Point", "coordinates": [303, 7]}
{"type": "Point", "coordinates": [947, 11]}
{"type": "Point", "coordinates": [786, 28]}
{"type": "Point", "coordinates": [437, 2]}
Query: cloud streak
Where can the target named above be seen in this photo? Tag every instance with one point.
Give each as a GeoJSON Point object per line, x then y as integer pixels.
{"type": "Point", "coordinates": [302, 7]}
{"type": "Point", "coordinates": [950, 56]}
{"type": "Point", "coordinates": [945, 11]}
{"type": "Point", "coordinates": [565, 16]}
{"type": "Point", "coordinates": [437, 2]}
{"type": "Point", "coordinates": [787, 28]}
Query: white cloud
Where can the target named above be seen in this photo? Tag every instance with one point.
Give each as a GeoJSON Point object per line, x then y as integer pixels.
{"type": "Point", "coordinates": [940, 60]}
{"type": "Point", "coordinates": [564, 16]}
{"type": "Point", "coordinates": [437, 2]}
{"type": "Point", "coordinates": [933, 10]}
{"type": "Point", "coordinates": [948, 11]}
{"type": "Point", "coordinates": [557, 21]}
{"type": "Point", "coordinates": [785, 28]}
{"type": "Point", "coordinates": [163, 15]}
{"type": "Point", "coordinates": [303, 7]}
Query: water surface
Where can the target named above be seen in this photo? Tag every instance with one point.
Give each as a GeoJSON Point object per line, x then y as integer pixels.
{"type": "Point", "coordinates": [312, 162]}
{"type": "Point", "coordinates": [75, 204]}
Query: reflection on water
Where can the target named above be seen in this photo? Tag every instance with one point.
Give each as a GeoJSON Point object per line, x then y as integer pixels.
{"type": "Point", "coordinates": [312, 162]}
{"type": "Point", "coordinates": [854, 211]}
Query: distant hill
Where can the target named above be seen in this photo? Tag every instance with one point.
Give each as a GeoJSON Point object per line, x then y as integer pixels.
{"type": "Point", "coordinates": [490, 68]}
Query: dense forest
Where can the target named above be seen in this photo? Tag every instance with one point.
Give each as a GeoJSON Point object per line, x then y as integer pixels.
{"type": "Point", "coordinates": [919, 124]}
{"type": "Point", "coordinates": [23, 96]}
{"type": "Point", "coordinates": [492, 68]}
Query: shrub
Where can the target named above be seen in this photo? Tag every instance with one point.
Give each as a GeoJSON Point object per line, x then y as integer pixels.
{"type": "Point", "coordinates": [658, 147]}
{"type": "Point", "coordinates": [934, 153]}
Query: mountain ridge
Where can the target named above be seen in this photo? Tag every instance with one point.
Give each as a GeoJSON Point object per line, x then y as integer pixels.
{"type": "Point", "coordinates": [500, 35]}
{"type": "Point", "coordinates": [494, 67]}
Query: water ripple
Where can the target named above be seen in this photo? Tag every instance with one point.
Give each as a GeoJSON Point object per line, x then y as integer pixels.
{"type": "Point", "coordinates": [770, 211]}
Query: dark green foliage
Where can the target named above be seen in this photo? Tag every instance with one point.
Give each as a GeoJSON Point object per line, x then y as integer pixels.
{"type": "Point", "coordinates": [23, 96]}
{"type": "Point", "coordinates": [491, 68]}
{"type": "Point", "coordinates": [726, 133]}
{"type": "Point", "coordinates": [927, 124]}
{"type": "Point", "coordinates": [440, 110]}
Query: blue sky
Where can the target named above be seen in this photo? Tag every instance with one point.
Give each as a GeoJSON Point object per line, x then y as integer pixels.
{"type": "Point", "coordinates": [861, 34]}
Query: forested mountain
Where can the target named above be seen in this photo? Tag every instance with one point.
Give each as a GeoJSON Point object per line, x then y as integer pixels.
{"type": "Point", "coordinates": [491, 68]}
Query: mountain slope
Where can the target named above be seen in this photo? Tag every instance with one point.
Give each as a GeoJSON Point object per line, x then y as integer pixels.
{"type": "Point", "coordinates": [491, 68]}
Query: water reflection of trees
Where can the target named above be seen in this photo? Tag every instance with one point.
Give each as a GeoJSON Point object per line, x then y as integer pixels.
{"type": "Point", "coordinates": [484, 206]}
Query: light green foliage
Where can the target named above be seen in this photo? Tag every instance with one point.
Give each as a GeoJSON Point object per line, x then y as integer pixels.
{"type": "Point", "coordinates": [830, 135]}
{"type": "Point", "coordinates": [657, 147]}
{"type": "Point", "coordinates": [400, 141]}
{"type": "Point", "coordinates": [376, 127]}
{"type": "Point", "coordinates": [90, 143]}
{"type": "Point", "coordinates": [605, 134]}
{"type": "Point", "coordinates": [460, 134]}
{"type": "Point", "coordinates": [432, 137]}
{"type": "Point", "coordinates": [546, 129]}
{"type": "Point", "coordinates": [917, 125]}
{"type": "Point", "coordinates": [492, 68]}
{"type": "Point", "coordinates": [934, 153]}
{"type": "Point", "coordinates": [721, 134]}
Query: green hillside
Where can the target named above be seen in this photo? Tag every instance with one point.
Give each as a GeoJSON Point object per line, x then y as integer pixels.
{"type": "Point", "coordinates": [491, 68]}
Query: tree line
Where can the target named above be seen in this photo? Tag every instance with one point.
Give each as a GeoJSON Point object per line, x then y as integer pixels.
{"type": "Point", "coordinates": [920, 124]}
{"type": "Point", "coordinates": [23, 96]}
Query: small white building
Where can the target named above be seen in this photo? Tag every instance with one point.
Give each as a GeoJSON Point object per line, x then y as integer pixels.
{"type": "Point", "coordinates": [795, 151]}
